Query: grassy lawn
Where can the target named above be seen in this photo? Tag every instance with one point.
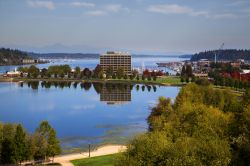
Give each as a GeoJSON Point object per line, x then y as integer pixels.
{"type": "Point", "coordinates": [167, 80]}
{"type": "Point", "coordinates": [107, 160]}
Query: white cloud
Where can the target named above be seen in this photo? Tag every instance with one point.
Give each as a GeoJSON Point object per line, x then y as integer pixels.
{"type": "Point", "coordinates": [41, 4]}
{"type": "Point", "coordinates": [177, 9]}
{"type": "Point", "coordinates": [96, 13]}
{"type": "Point", "coordinates": [170, 9]}
{"type": "Point", "coordinates": [113, 8]}
{"type": "Point", "coordinates": [82, 4]}
{"type": "Point", "coordinates": [110, 8]}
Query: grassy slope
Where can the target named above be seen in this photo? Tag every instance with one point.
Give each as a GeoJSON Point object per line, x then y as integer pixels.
{"type": "Point", "coordinates": [107, 160]}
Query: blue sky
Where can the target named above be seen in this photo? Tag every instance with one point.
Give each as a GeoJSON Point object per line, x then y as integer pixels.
{"type": "Point", "coordinates": [138, 26]}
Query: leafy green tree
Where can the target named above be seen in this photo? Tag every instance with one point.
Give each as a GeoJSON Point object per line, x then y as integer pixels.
{"type": "Point", "coordinates": [20, 144]}
{"type": "Point", "coordinates": [40, 145]}
{"type": "Point", "coordinates": [53, 144]}
{"type": "Point", "coordinates": [7, 153]}
{"type": "Point", "coordinates": [154, 78]}
{"type": "Point", "coordinates": [23, 69]}
{"type": "Point", "coordinates": [44, 72]}
{"type": "Point", "coordinates": [46, 142]}
{"type": "Point", "coordinates": [125, 76]}
{"type": "Point", "coordinates": [120, 72]}
{"type": "Point", "coordinates": [98, 71]}
{"type": "Point", "coordinates": [77, 70]}
{"type": "Point", "coordinates": [33, 71]}
{"type": "Point", "coordinates": [109, 71]}
{"type": "Point", "coordinates": [87, 73]}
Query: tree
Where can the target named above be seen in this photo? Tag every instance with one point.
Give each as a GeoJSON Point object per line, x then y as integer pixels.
{"type": "Point", "coordinates": [53, 144]}
{"type": "Point", "coordinates": [87, 73]}
{"type": "Point", "coordinates": [77, 69]}
{"type": "Point", "coordinates": [98, 71]}
{"type": "Point", "coordinates": [189, 71]}
{"type": "Point", "coordinates": [46, 138]}
{"type": "Point", "coordinates": [154, 78]}
{"type": "Point", "coordinates": [183, 71]}
{"type": "Point", "coordinates": [33, 71]}
{"type": "Point", "coordinates": [20, 144]}
{"type": "Point", "coordinates": [40, 145]}
{"type": "Point", "coordinates": [109, 71]}
{"type": "Point", "coordinates": [120, 72]}
{"type": "Point", "coordinates": [7, 153]}
{"type": "Point", "coordinates": [44, 72]}
{"type": "Point", "coordinates": [125, 76]}
{"type": "Point", "coordinates": [149, 78]}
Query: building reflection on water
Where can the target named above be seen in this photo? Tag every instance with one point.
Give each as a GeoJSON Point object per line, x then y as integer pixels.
{"type": "Point", "coordinates": [116, 95]}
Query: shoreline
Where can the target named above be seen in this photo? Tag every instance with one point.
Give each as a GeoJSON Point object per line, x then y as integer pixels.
{"type": "Point", "coordinates": [128, 81]}
{"type": "Point", "coordinates": [65, 160]}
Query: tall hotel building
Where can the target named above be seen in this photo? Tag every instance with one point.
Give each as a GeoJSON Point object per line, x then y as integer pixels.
{"type": "Point", "coordinates": [116, 60]}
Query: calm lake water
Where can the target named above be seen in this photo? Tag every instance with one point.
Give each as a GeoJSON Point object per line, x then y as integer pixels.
{"type": "Point", "coordinates": [82, 113]}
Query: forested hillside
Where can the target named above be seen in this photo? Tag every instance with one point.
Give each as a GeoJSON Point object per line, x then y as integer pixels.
{"type": "Point", "coordinates": [204, 126]}
{"type": "Point", "coordinates": [230, 54]}
{"type": "Point", "coordinates": [12, 57]}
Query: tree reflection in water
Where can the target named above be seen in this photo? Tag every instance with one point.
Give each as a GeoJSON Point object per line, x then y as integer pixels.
{"type": "Point", "coordinates": [109, 92]}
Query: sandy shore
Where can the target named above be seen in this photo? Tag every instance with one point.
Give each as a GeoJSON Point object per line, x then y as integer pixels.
{"type": "Point", "coordinates": [104, 150]}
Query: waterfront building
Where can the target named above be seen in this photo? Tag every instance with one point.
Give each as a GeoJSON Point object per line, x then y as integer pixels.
{"type": "Point", "coordinates": [116, 60]}
{"type": "Point", "coordinates": [29, 61]}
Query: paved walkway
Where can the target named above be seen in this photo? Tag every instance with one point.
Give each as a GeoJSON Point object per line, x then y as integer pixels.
{"type": "Point", "coordinates": [104, 150]}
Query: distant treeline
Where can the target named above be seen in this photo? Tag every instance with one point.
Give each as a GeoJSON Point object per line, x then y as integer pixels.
{"type": "Point", "coordinates": [12, 57]}
{"type": "Point", "coordinates": [229, 54]}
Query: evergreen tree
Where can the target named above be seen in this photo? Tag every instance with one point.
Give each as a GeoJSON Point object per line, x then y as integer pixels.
{"type": "Point", "coordinates": [189, 71]}
{"type": "Point", "coordinates": [183, 71]}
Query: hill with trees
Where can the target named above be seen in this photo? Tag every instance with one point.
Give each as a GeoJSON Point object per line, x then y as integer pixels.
{"type": "Point", "coordinates": [12, 57]}
{"type": "Point", "coordinates": [228, 54]}
{"type": "Point", "coordinates": [204, 126]}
